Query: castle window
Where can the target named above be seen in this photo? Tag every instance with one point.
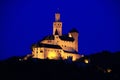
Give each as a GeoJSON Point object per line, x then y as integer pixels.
{"type": "Point", "coordinates": [41, 51]}
{"type": "Point", "coordinates": [58, 50]}
{"type": "Point", "coordinates": [36, 51]}
{"type": "Point", "coordinates": [49, 41]}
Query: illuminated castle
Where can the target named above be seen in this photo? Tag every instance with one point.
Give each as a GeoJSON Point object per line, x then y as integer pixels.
{"type": "Point", "coordinates": [57, 46]}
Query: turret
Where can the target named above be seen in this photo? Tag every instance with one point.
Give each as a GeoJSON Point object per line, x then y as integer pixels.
{"type": "Point", "coordinates": [74, 33]}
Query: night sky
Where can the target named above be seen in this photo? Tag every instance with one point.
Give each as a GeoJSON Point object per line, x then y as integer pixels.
{"type": "Point", "coordinates": [24, 22]}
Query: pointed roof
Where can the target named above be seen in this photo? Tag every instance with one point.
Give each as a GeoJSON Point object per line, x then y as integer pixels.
{"type": "Point", "coordinates": [56, 32]}
{"type": "Point", "coordinates": [58, 10]}
{"type": "Point", "coordinates": [49, 37]}
{"type": "Point", "coordinates": [65, 37]}
{"type": "Point", "coordinates": [74, 30]}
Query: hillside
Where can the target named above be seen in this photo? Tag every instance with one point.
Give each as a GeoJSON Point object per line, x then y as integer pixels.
{"type": "Point", "coordinates": [100, 66]}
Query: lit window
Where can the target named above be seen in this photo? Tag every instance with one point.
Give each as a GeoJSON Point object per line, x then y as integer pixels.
{"type": "Point", "coordinates": [109, 70]}
{"type": "Point", "coordinates": [52, 55]}
{"type": "Point", "coordinates": [86, 61]}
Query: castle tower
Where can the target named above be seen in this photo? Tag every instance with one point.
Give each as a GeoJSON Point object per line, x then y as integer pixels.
{"type": "Point", "coordinates": [74, 33]}
{"type": "Point", "coordinates": [57, 25]}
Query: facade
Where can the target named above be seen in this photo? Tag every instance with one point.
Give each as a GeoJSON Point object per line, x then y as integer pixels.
{"type": "Point", "coordinates": [57, 46]}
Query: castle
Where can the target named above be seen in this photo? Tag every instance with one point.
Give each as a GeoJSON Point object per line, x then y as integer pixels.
{"type": "Point", "coordinates": [57, 46]}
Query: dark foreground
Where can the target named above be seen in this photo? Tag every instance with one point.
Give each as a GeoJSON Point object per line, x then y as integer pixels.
{"type": "Point", "coordinates": [102, 66]}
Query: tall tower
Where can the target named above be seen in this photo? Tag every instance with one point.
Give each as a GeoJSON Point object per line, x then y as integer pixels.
{"type": "Point", "coordinates": [57, 25]}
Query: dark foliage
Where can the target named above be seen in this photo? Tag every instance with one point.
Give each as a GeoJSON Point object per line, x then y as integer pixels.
{"type": "Point", "coordinates": [35, 69]}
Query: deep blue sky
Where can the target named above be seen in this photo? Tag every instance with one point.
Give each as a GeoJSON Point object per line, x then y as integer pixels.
{"type": "Point", "coordinates": [24, 22]}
